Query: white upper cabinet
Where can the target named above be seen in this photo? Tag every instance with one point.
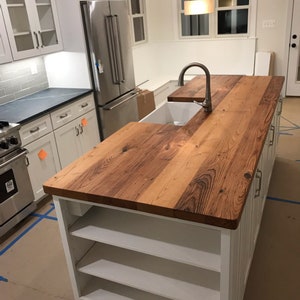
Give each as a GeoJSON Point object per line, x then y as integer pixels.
{"type": "Point", "coordinates": [5, 53]}
{"type": "Point", "coordinates": [32, 27]}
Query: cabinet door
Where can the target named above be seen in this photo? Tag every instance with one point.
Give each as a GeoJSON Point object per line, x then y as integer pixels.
{"type": "Point", "coordinates": [76, 138]}
{"type": "Point", "coordinates": [43, 163]}
{"type": "Point", "coordinates": [32, 27]}
{"type": "Point", "coordinates": [89, 136]}
{"type": "Point", "coordinates": [20, 28]}
{"type": "Point", "coordinates": [5, 53]}
{"type": "Point", "coordinates": [47, 25]}
{"type": "Point", "coordinates": [68, 142]}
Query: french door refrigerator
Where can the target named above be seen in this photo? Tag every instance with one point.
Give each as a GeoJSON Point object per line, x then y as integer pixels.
{"type": "Point", "coordinates": [108, 41]}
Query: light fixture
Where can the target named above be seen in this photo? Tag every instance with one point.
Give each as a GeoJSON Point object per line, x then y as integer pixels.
{"type": "Point", "coordinates": [198, 7]}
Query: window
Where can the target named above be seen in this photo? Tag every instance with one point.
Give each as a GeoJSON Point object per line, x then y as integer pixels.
{"type": "Point", "coordinates": [138, 20]}
{"type": "Point", "coordinates": [194, 25]}
{"type": "Point", "coordinates": [231, 17]}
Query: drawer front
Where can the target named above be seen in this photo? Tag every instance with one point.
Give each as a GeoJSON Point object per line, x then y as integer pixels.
{"type": "Point", "coordinates": [84, 105]}
{"type": "Point", "coordinates": [63, 115]}
{"type": "Point", "coordinates": [35, 129]}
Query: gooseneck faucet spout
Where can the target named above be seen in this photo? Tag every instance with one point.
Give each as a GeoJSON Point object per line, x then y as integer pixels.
{"type": "Point", "coordinates": [207, 102]}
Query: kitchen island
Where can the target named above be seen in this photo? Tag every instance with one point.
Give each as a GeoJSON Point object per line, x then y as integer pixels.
{"type": "Point", "coordinates": [159, 211]}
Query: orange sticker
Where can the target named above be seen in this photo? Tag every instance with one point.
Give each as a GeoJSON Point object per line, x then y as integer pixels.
{"type": "Point", "coordinates": [42, 154]}
{"type": "Point", "coordinates": [84, 122]}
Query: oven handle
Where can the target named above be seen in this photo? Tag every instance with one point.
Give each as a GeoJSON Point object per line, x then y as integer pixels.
{"type": "Point", "coordinates": [24, 152]}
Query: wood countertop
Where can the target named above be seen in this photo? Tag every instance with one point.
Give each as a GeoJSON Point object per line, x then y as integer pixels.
{"type": "Point", "coordinates": [200, 172]}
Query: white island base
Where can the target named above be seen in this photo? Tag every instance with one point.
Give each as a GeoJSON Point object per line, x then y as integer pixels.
{"type": "Point", "coordinates": [117, 254]}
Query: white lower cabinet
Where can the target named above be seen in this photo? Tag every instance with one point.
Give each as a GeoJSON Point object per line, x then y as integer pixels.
{"type": "Point", "coordinates": [37, 137]}
{"type": "Point", "coordinates": [56, 139]}
{"type": "Point", "coordinates": [76, 138]}
{"type": "Point", "coordinates": [43, 163]}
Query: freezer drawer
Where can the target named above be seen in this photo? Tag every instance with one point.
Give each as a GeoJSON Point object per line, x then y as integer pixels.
{"type": "Point", "coordinates": [117, 114]}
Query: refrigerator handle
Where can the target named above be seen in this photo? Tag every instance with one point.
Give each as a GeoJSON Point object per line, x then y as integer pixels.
{"type": "Point", "coordinates": [118, 45]}
{"type": "Point", "coordinates": [112, 50]}
{"type": "Point", "coordinates": [112, 106]}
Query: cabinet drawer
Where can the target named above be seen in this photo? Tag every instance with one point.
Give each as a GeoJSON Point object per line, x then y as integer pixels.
{"type": "Point", "coordinates": [35, 129]}
{"type": "Point", "coordinates": [84, 105]}
{"type": "Point", "coordinates": [63, 115]}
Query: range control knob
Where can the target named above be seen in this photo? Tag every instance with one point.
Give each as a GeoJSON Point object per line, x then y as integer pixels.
{"type": "Point", "coordinates": [13, 140]}
{"type": "Point", "coordinates": [4, 144]}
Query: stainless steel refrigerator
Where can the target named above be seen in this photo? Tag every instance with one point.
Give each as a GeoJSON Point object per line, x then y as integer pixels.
{"type": "Point", "coordinates": [107, 32]}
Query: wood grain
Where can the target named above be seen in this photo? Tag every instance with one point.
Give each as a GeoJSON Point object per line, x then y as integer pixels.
{"type": "Point", "coordinates": [200, 172]}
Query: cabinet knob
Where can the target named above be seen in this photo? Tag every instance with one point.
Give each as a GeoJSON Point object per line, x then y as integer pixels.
{"type": "Point", "coordinates": [293, 45]}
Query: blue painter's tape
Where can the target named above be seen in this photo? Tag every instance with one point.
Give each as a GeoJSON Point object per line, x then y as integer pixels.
{"type": "Point", "coordinates": [3, 279]}
{"type": "Point", "coordinates": [283, 200]}
{"type": "Point", "coordinates": [40, 218]}
{"type": "Point", "coordinates": [19, 237]}
{"type": "Point", "coordinates": [44, 216]}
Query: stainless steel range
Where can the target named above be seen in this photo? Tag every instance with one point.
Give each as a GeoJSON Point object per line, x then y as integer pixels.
{"type": "Point", "coordinates": [16, 195]}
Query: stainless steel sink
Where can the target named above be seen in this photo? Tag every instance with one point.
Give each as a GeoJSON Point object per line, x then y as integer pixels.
{"type": "Point", "coordinates": [177, 113]}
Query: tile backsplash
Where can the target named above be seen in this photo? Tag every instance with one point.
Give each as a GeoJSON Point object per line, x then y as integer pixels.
{"type": "Point", "coordinates": [22, 78]}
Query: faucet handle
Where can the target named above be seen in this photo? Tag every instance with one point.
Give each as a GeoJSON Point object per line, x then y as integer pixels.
{"type": "Point", "coordinates": [204, 104]}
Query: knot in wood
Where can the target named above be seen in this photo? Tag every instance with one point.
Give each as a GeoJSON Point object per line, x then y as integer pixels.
{"type": "Point", "coordinates": [248, 175]}
{"type": "Point", "coordinates": [124, 149]}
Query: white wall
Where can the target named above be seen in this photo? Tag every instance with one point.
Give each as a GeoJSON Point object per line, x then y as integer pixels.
{"type": "Point", "coordinates": [274, 39]}
{"type": "Point", "coordinates": [70, 67]}
{"type": "Point", "coordinates": [67, 69]}
{"type": "Point", "coordinates": [223, 55]}
{"type": "Point", "coordinates": [165, 54]}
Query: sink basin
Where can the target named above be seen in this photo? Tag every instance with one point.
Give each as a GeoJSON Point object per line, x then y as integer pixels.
{"type": "Point", "coordinates": [177, 113]}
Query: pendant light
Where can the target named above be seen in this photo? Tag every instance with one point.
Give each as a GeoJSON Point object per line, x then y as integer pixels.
{"type": "Point", "coordinates": [198, 7]}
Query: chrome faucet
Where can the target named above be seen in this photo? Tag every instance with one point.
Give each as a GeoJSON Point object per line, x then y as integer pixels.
{"type": "Point", "coordinates": [206, 104]}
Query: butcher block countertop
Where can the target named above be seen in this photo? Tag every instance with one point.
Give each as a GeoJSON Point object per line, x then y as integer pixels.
{"type": "Point", "coordinates": [199, 172]}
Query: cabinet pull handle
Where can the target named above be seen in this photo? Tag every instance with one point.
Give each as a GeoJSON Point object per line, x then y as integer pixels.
{"type": "Point", "coordinates": [27, 163]}
{"type": "Point", "coordinates": [77, 131]}
{"type": "Point", "coordinates": [63, 116]}
{"type": "Point", "coordinates": [84, 105]}
{"type": "Point", "coordinates": [258, 175]}
{"type": "Point", "coordinates": [271, 143]}
{"type": "Point", "coordinates": [37, 40]}
{"type": "Point", "coordinates": [34, 129]}
{"type": "Point", "coordinates": [280, 106]}
{"type": "Point", "coordinates": [80, 129]}
{"type": "Point", "coordinates": [41, 37]}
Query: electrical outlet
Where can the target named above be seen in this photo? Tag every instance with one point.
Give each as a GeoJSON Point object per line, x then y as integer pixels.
{"type": "Point", "coordinates": [268, 24]}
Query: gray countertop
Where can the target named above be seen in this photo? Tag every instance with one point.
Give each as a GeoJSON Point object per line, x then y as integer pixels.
{"type": "Point", "coordinates": [32, 106]}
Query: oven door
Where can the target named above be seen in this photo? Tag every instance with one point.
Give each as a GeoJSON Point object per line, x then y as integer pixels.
{"type": "Point", "coordinates": [15, 187]}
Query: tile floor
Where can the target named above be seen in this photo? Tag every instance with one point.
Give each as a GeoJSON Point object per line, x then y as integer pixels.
{"type": "Point", "coordinates": [32, 263]}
